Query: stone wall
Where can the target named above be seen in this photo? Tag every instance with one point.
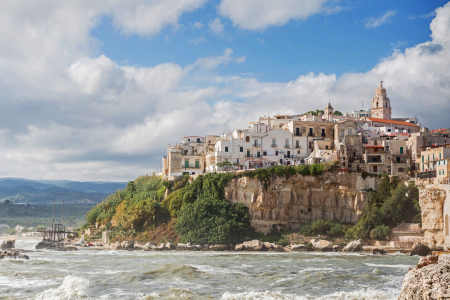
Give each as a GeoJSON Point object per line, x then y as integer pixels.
{"type": "Point", "coordinates": [287, 203]}
{"type": "Point", "coordinates": [431, 201]}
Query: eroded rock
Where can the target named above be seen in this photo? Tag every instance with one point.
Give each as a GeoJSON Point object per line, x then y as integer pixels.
{"type": "Point", "coordinates": [323, 246]}
{"type": "Point", "coordinates": [254, 245]}
{"type": "Point", "coordinates": [429, 280]}
{"type": "Point", "coordinates": [420, 249]}
{"type": "Point", "coordinates": [218, 247]}
{"type": "Point", "coordinates": [8, 244]}
{"type": "Point", "coordinates": [379, 251]}
{"type": "Point", "coordinates": [354, 246]}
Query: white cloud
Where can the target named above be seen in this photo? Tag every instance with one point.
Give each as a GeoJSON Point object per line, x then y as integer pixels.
{"type": "Point", "coordinates": [197, 41]}
{"type": "Point", "coordinates": [197, 25]}
{"type": "Point", "coordinates": [260, 14]}
{"type": "Point", "coordinates": [375, 22]}
{"type": "Point", "coordinates": [216, 26]}
{"type": "Point", "coordinates": [147, 18]}
{"type": "Point", "coordinates": [70, 112]}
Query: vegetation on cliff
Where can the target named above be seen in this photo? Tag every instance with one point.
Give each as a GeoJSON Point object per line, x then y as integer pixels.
{"type": "Point", "coordinates": [393, 203]}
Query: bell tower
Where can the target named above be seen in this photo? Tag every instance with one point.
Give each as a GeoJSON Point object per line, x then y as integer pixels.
{"type": "Point", "coordinates": [381, 105]}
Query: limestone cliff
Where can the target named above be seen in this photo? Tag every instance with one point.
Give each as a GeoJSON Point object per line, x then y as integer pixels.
{"type": "Point", "coordinates": [288, 203]}
{"type": "Point", "coordinates": [431, 201]}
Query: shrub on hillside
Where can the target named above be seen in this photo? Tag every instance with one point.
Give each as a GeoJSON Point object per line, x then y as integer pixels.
{"type": "Point", "coordinates": [380, 232]}
{"type": "Point", "coordinates": [212, 220]}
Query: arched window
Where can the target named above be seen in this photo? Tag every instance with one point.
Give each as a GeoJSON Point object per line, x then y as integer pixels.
{"type": "Point", "coordinates": [377, 104]}
{"type": "Point", "coordinates": [247, 139]}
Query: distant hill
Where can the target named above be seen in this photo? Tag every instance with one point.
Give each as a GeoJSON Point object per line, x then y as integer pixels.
{"type": "Point", "coordinates": [44, 191]}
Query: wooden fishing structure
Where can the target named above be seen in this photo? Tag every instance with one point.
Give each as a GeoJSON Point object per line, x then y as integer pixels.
{"type": "Point", "coordinates": [58, 231]}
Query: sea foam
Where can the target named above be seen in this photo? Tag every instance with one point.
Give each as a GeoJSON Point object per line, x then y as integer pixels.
{"type": "Point", "coordinates": [72, 288]}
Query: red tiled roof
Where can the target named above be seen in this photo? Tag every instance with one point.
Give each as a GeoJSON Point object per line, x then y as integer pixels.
{"type": "Point", "coordinates": [391, 122]}
{"type": "Point", "coordinates": [441, 130]}
{"type": "Point", "coordinates": [373, 146]}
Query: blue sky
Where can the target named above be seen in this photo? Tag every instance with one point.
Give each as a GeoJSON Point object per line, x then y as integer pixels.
{"type": "Point", "coordinates": [96, 90]}
{"type": "Point", "coordinates": [330, 43]}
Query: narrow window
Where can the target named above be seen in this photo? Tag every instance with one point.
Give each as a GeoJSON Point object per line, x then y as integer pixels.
{"type": "Point", "coordinates": [241, 149]}
{"type": "Point", "coordinates": [401, 150]}
{"type": "Point", "coordinates": [297, 144]}
{"type": "Point", "coordinates": [349, 131]}
{"type": "Point", "coordinates": [423, 158]}
{"type": "Point", "coordinates": [247, 139]}
{"type": "Point", "coordinates": [198, 140]}
{"type": "Point", "coordinates": [186, 164]}
{"type": "Point", "coordinates": [226, 149]}
{"type": "Point", "coordinates": [197, 164]}
{"type": "Point", "coordinates": [258, 154]}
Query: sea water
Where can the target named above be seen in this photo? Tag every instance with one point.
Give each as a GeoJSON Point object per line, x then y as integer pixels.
{"type": "Point", "coordinates": [110, 274]}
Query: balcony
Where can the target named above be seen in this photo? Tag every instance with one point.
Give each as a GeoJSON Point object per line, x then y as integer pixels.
{"type": "Point", "coordinates": [256, 146]}
{"type": "Point", "coordinates": [248, 155]}
{"type": "Point", "coordinates": [298, 147]}
{"type": "Point", "coordinates": [287, 146]}
{"type": "Point", "coordinates": [426, 175]}
{"type": "Point", "coordinates": [323, 135]}
{"type": "Point", "coordinates": [288, 156]}
{"type": "Point", "coordinates": [298, 134]}
{"type": "Point", "coordinates": [273, 145]}
{"type": "Point", "coordinates": [191, 167]}
{"type": "Point", "coordinates": [311, 134]}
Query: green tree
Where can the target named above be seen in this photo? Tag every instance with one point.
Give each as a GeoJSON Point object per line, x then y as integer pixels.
{"type": "Point", "coordinates": [214, 221]}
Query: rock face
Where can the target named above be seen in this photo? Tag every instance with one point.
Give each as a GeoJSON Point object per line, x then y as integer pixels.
{"type": "Point", "coordinates": [354, 246]}
{"type": "Point", "coordinates": [288, 203]}
{"type": "Point", "coordinates": [8, 244]}
{"type": "Point", "coordinates": [429, 280]}
{"type": "Point", "coordinates": [420, 249]}
{"type": "Point", "coordinates": [431, 203]}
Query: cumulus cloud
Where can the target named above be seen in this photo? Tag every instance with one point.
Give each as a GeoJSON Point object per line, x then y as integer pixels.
{"type": "Point", "coordinates": [375, 22]}
{"type": "Point", "coordinates": [259, 14]}
{"type": "Point", "coordinates": [216, 26]}
{"type": "Point", "coordinates": [70, 112]}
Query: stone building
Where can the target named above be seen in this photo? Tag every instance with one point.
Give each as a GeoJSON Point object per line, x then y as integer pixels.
{"type": "Point", "coordinates": [349, 145]}
{"type": "Point", "coordinates": [431, 161]}
{"type": "Point", "coordinates": [313, 130]}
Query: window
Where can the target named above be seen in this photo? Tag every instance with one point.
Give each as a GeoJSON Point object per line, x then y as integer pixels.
{"type": "Point", "coordinates": [433, 156]}
{"type": "Point", "coordinates": [189, 140]}
{"type": "Point", "coordinates": [401, 150]}
{"type": "Point", "coordinates": [349, 131]}
{"type": "Point", "coordinates": [276, 153]}
{"type": "Point", "coordinates": [439, 155]}
{"type": "Point", "coordinates": [256, 143]}
{"type": "Point", "coordinates": [226, 149]}
{"type": "Point", "coordinates": [286, 143]}
{"type": "Point", "coordinates": [423, 158]}
{"type": "Point", "coordinates": [258, 154]}
{"type": "Point", "coordinates": [298, 152]}
{"type": "Point", "coordinates": [186, 164]}
{"type": "Point", "coordinates": [439, 172]}
{"type": "Point", "coordinates": [423, 167]}
{"type": "Point", "coordinates": [297, 131]}
{"type": "Point", "coordinates": [297, 144]}
{"type": "Point", "coordinates": [198, 140]}
{"type": "Point", "coordinates": [197, 164]}
{"type": "Point", "coordinates": [247, 139]}
{"type": "Point", "coordinates": [241, 149]}
{"type": "Point", "coordinates": [274, 142]}
{"type": "Point", "coordinates": [248, 153]}
{"type": "Point", "coordinates": [264, 153]}
{"type": "Point", "coordinates": [326, 147]}
{"type": "Point", "coordinates": [401, 170]}
{"type": "Point", "coordinates": [323, 131]}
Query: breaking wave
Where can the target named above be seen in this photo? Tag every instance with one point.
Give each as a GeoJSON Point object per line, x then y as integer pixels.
{"type": "Point", "coordinates": [72, 288]}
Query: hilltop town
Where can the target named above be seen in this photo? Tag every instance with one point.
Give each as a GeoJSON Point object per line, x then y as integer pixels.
{"type": "Point", "coordinates": [366, 140]}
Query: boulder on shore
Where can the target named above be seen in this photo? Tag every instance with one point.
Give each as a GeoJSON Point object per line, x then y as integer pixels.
{"type": "Point", "coordinates": [420, 249]}
{"type": "Point", "coordinates": [379, 251]}
{"type": "Point", "coordinates": [322, 245]}
{"type": "Point", "coordinates": [218, 247]}
{"type": "Point", "coordinates": [254, 245]}
{"type": "Point", "coordinates": [429, 280]}
{"type": "Point", "coordinates": [299, 247]}
{"type": "Point", "coordinates": [8, 244]}
{"type": "Point", "coordinates": [354, 246]}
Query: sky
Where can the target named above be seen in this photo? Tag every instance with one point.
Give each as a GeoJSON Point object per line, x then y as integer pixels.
{"type": "Point", "coordinates": [96, 90]}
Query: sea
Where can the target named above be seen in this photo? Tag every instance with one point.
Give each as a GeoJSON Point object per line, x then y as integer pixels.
{"type": "Point", "coordinates": [110, 274]}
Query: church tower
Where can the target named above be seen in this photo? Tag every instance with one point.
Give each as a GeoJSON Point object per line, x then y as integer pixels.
{"type": "Point", "coordinates": [328, 111]}
{"type": "Point", "coordinates": [381, 105]}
